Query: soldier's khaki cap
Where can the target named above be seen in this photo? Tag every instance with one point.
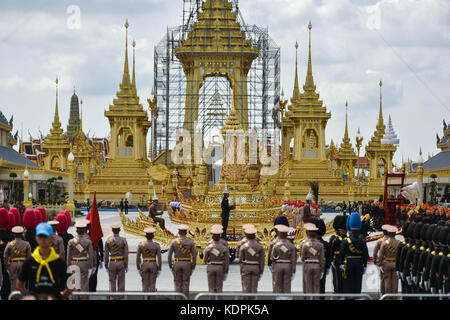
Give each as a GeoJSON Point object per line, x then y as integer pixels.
{"type": "Point", "coordinates": [116, 225]}
{"type": "Point", "coordinates": [250, 229]}
{"type": "Point", "coordinates": [245, 226]}
{"type": "Point", "coordinates": [391, 229]}
{"type": "Point", "coordinates": [385, 227]}
{"type": "Point", "coordinates": [17, 229]}
{"type": "Point", "coordinates": [282, 228]}
{"type": "Point", "coordinates": [311, 227]}
{"type": "Point", "coordinates": [182, 227]}
{"type": "Point", "coordinates": [53, 223]}
{"type": "Point", "coordinates": [80, 224]}
{"type": "Point", "coordinates": [216, 229]}
{"type": "Point", "coordinates": [86, 221]}
{"type": "Point", "coordinates": [217, 226]}
{"type": "Point", "coordinates": [150, 230]}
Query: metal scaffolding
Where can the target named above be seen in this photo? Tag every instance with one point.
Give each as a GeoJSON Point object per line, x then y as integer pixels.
{"type": "Point", "coordinates": [216, 95]}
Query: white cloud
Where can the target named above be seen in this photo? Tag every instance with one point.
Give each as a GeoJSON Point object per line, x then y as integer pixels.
{"type": "Point", "coordinates": [409, 52]}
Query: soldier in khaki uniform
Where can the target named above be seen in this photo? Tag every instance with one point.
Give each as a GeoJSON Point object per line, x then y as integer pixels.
{"type": "Point", "coordinates": [15, 254]}
{"type": "Point", "coordinates": [283, 257]}
{"type": "Point", "coordinates": [386, 261]}
{"type": "Point", "coordinates": [116, 260]}
{"type": "Point", "coordinates": [242, 241]}
{"type": "Point", "coordinates": [313, 260]}
{"type": "Point", "coordinates": [376, 250]}
{"type": "Point", "coordinates": [81, 253]}
{"type": "Point", "coordinates": [153, 213]}
{"type": "Point", "coordinates": [217, 257]}
{"type": "Point", "coordinates": [269, 252]}
{"type": "Point", "coordinates": [251, 258]}
{"type": "Point", "coordinates": [184, 262]}
{"type": "Point", "coordinates": [150, 266]}
{"type": "Point", "coordinates": [88, 227]}
{"type": "Point", "coordinates": [57, 241]}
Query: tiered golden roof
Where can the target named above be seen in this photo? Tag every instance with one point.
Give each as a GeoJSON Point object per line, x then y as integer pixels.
{"type": "Point", "coordinates": [216, 29]}
{"type": "Point", "coordinates": [56, 145]}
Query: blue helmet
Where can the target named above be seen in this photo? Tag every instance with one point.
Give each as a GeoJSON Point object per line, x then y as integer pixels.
{"type": "Point", "coordinates": [354, 222]}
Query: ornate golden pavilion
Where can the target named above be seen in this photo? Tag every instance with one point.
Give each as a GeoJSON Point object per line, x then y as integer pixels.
{"type": "Point", "coordinates": [216, 45]}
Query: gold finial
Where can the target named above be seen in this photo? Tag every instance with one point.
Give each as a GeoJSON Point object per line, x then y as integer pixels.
{"type": "Point", "coordinates": [133, 81]}
{"type": "Point", "coordinates": [56, 124]}
{"type": "Point", "coordinates": [282, 92]}
{"type": "Point", "coordinates": [296, 94]}
{"type": "Point", "coordinates": [126, 75]}
{"type": "Point", "coordinates": [309, 83]}
{"type": "Point", "coordinates": [380, 116]}
{"type": "Point", "coordinates": [420, 152]}
{"type": "Point", "coordinates": [346, 124]}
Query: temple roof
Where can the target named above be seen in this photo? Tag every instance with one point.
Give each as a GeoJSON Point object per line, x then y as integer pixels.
{"type": "Point", "coordinates": [232, 123]}
{"type": "Point", "coordinates": [217, 27]}
{"type": "Point", "coordinates": [14, 157]}
{"type": "Point", "coordinates": [3, 119]}
{"type": "Point", "coordinates": [439, 161]}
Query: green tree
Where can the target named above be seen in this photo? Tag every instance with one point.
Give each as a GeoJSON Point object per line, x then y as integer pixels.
{"type": "Point", "coordinates": [12, 197]}
{"type": "Point", "coordinates": [434, 195]}
{"type": "Point", "coordinates": [314, 185]}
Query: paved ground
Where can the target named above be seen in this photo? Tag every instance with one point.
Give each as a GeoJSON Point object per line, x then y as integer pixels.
{"type": "Point", "coordinates": [198, 279]}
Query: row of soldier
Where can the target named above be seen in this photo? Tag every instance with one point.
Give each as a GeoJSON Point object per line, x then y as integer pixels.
{"type": "Point", "coordinates": [421, 261]}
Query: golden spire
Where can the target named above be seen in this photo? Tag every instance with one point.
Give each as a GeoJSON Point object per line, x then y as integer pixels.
{"type": "Point", "coordinates": [346, 138]}
{"type": "Point", "coordinates": [56, 124]}
{"type": "Point", "coordinates": [133, 84]}
{"type": "Point", "coordinates": [296, 94]}
{"type": "Point", "coordinates": [380, 116]}
{"type": "Point", "coordinates": [309, 83]}
{"type": "Point", "coordinates": [126, 72]}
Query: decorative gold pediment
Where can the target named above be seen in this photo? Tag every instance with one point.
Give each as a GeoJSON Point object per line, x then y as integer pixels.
{"type": "Point", "coordinates": [159, 172]}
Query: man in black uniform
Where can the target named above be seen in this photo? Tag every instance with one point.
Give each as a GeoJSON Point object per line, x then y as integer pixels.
{"type": "Point", "coordinates": [335, 244]}
{"type": "Point", "coordinates": [121, 205]}
{"type": "Point", "coordinates": [428, 258]}
{"type": "Point", "coordinates": [126, 206]}
{"type": "Point", "coordinates": [445, 267]}
{"type": "Point", "coordinates": [320, 224]}
{"type": "Point", "coordinates": [5, 237]}
{"type": "Point", "coordinates": [437, 255]}
{"type": "Point", "coordinates": [353, 257]}
{"type": "Point", "coordinates": [407, 257]}
{"type": "Point", "coordinates": [99, 260]}
{"type": "Point", "coordinates": [226, 208]}
{"type": "Point", "coordinates": [419, 260]}
{"type": "Point", "coordinates": [443, 259]}
{"type": "Point", "coordinates": [401, 253]}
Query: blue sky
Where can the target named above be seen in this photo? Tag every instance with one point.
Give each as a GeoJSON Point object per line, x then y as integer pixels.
{"type": "Point", "coordinates": [354, 43]}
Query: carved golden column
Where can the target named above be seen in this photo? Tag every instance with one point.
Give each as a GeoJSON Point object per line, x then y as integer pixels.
{"type": "Point", "coordinates": [26, 185]}
{"type": "Point", "coordinates": [70, 205]}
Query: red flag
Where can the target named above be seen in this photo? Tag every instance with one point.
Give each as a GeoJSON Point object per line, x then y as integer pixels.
{"type": "Point", "coordinates": [96, 228]}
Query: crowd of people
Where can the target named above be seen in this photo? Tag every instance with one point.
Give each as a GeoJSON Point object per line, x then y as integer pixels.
{"type": "Point", "coordinates": [38, 256]}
